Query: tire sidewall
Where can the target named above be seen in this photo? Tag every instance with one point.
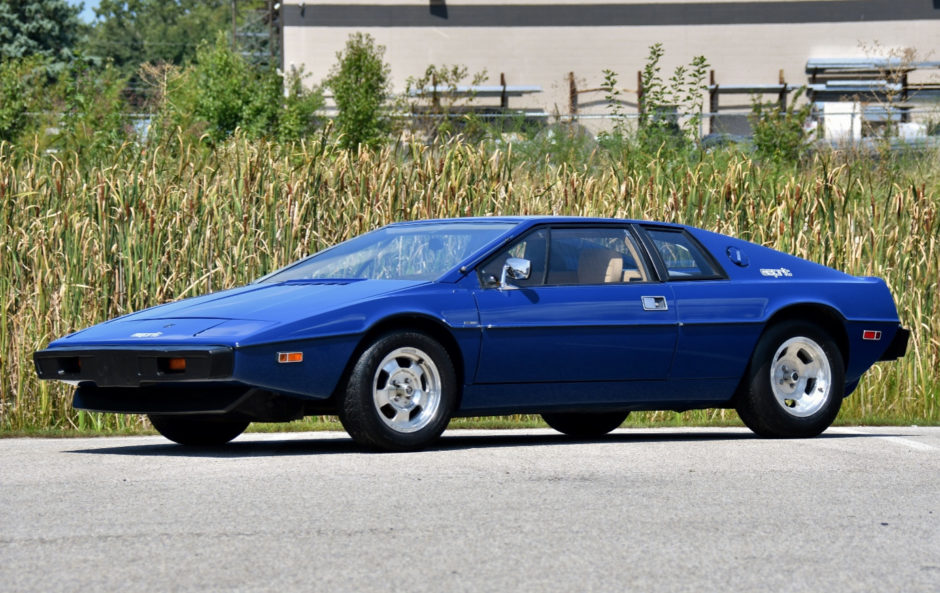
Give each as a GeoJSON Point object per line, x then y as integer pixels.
{"type": "Point", "coordinates": [759, 407]}
{"type": "Point", "coordinates": [358, 412]}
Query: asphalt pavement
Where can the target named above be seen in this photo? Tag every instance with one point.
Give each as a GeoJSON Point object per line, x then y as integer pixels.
{"type": "Point", "coordinates": [857, 509]}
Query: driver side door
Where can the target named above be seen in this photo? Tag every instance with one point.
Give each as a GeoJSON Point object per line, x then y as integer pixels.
{"type": "Point", "coordinates": [591, 310]}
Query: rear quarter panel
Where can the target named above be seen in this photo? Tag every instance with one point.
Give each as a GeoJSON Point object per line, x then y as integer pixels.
{"type": "Point", "coordinates": [768, 286]}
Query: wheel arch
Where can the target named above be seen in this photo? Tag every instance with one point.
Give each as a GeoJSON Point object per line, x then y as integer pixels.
{"type": "Point", "coordinates": [825, 316]}
{"type": "Point", "coordinates": [409, 322]}
{"type": "Point", "coordinates": [761, 407]}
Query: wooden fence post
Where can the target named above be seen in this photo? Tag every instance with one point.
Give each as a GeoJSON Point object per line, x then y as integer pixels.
{"type": "Point", "coordinates": [712, 100]}
{"type": "Point", "coordinates": [572, 95]}
{"type": "Point", "coordinates": [639, 95]}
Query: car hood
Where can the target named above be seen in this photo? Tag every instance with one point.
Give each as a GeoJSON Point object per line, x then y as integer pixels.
{"type": "Point", "coordinates": [227, 317]}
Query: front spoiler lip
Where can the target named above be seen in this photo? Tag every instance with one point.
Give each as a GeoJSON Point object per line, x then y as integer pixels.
{"type": "Point", "coordinates": [121, 366]}
{"type": "Point", "coordinates": [180, 398]}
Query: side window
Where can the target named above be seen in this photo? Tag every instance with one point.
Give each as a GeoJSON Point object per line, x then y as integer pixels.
{"type": "Point", "coordinates": [605, 255]}
{"type": "Point", "coordinates": [532, 247]}
{"type": "Point", "coordinates": [683, 258]}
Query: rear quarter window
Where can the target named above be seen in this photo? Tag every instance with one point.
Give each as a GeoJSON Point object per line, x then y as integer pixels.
{"type": "Point", "coordinates": [682, 256]}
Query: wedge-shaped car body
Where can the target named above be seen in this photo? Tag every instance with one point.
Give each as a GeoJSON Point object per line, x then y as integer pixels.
{"type": "Point", "coordinates": [580, 320]}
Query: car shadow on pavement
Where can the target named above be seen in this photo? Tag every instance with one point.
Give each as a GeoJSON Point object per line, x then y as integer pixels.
{"type": "Point", "coordinates": [235, 449]}
{"type": "Point", "coordinates": [449, 442]}
{"type": "Point", "coordinates": [457, 441]}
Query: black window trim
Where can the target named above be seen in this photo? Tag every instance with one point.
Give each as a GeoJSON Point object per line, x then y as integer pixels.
{"type": "Point", "coordinates": [661, 270]}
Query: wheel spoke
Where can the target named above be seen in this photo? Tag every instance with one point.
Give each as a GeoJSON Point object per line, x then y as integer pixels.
{"type": "Point", "coordinates": [402, 417]}
{"type": "Point", "coordinates": [391, 367]}
{"type": "Point", "coordinates": [416, 398]}
{"type": "Point", "coordinates": [799, 392]}
{"type": "Point", "coordinates": [418, 370]}
{"type": "Point", "coordinates": [382, 398]}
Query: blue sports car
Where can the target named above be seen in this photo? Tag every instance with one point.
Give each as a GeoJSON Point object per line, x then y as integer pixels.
{"type": "Point", "coordinates": [579, 320]}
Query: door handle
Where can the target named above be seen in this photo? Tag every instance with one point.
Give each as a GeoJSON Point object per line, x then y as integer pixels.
{"type": "Point", "coordinates": [654, 303]}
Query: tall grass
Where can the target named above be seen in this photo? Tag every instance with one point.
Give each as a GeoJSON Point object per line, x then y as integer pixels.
{"type": "Point", "coordinates": [84, 241]}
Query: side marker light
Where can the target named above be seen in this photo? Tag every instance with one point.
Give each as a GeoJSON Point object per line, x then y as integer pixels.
{"type": "Point", "coordinates": [870, 334]}
{"type": "Point", "coordinates": [288, 357]}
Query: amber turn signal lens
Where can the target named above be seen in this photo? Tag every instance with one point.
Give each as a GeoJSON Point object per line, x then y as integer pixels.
{"type": "Point", "coordinates": [285, 357]}
{"type": "Point", "coordinates": [177, 365]}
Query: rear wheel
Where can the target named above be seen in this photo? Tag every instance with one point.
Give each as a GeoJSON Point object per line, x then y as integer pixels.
{"type": "Point", "coordinates": [585, 425]}
{"type": "Point", "coordinates": [198, 430]}
{"type": "Point", "coordinates": [795, 383]}
{"type": "Point", "coordinates": [401, 393]}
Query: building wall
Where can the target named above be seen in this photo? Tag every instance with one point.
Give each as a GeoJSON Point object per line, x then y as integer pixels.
{"type": "Point", "coordinates": [538, 42]}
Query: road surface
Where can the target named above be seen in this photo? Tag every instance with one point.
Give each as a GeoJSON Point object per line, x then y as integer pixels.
{"type": "Point", "coordinates": [857, 509]}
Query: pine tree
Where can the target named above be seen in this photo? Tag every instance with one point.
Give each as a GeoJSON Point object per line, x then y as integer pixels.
{"type": "Point", "coordinates": [46, 28]}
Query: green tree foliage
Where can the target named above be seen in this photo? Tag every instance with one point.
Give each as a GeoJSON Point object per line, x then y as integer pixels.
{"type": "Point", "coordinates": [83, 110]}
{"type": "Point", "coordinates": [22, 85]}
{"type": "Point", "coordinates": [661, 103]}
{"type": "Point", "coordinates": [778, 134]}
{"type": "Point", "coordinates": [299, 115]}
{"type": "Point", "coordinates": [47, 28]}
{"type": "Point", "coordinates": [614, 105]}
{"type": "Point", "coordinates": [132, 32]}
{"type": "Point", "coordinates": [94, 111]}
{"type": "Point", "coordinates": [670, 112]}
{"type": "Point", "coordinates": [220, 92]}
{"type": "Point", "coordinates": [361, 85]}
{"type": "Point", "coordinates": [438, 110]}
{"type": "Point", "coordinates": [229, 93]}
{"type": "Point", "coordinates": [652, 99]}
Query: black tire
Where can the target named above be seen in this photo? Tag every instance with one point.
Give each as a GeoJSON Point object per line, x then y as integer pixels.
{"type": "Point", "coordinates": [794, 384]}
{"type": "Point", "coordinates": [401, 393]}
{"type": "Point", "coordinates": [198, 430]}
{"type": "Point", "coordinates": [585, 425]}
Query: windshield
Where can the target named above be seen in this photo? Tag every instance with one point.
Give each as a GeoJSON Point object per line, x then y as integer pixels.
{"type": "Point", "coordinates": [406, 252]}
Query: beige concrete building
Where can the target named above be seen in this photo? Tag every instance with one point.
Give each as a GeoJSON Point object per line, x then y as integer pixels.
{"type": "Point", "coordinates": [537, 43]}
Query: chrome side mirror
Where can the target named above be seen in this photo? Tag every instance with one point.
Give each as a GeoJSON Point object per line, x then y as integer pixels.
{"type": "Point", "coordinates": [515, 268]}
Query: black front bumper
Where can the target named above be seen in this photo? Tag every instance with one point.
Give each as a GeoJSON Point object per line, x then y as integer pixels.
{"type": "Point", "coordinates": [132, 367]}
{"type": "Point", "coordinates": [898, 346]}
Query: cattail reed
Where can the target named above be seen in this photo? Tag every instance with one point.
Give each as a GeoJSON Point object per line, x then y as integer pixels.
{"type": "Point", "coordinates": [83, 242]}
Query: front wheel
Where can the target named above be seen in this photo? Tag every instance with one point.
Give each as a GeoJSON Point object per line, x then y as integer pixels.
{"type": "Point", "coordinates": [401, 393]}
{"type": "Point", "coordinates": [585, 425]}
{"type": "Point", "coordinates": [795, 383]}
{"type": "Point", "coordinates": [198, 430]}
